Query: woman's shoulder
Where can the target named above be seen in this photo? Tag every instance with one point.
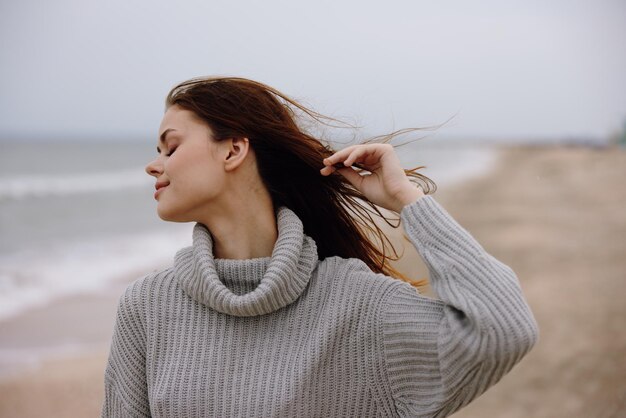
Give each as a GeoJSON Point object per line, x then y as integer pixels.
{"type": "Point", "coordinates": [155, 281]}
{"type": "Point", "coordinates": [355, 273]}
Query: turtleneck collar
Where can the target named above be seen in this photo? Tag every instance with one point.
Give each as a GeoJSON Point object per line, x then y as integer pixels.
{"type": "Point", "coordinates": [251, 287]}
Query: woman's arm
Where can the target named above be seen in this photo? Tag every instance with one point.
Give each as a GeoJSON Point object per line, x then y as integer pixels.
{"type": "Point", "coordinates": [438, 355]}
{"type": "Point", "coordinates": [125, 387]}
{"type": "Point", "coordinates": [441, 354]}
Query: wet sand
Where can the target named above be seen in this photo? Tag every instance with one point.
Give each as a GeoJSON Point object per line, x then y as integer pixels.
{"type": "Point", "coordinates": [556, 215]}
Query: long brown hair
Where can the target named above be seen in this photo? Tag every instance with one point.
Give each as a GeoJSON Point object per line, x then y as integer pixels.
{"type": "Point", "coordinates": [335, 214]}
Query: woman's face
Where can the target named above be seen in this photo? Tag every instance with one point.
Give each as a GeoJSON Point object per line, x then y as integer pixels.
{"type": "Point", "coordinates": [190, 166]}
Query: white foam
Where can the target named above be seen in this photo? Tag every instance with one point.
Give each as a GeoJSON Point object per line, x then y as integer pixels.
{"type": "Point", "coordinates": [19, 187]}
{"type": "Point", "coordinates": [450, 164]}
{"type": "Point", "coordinates": [33, 277]}
{"type": "Point", "coordinates": [467, 164]}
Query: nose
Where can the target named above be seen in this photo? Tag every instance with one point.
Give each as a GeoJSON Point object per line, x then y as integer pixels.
{"type": "Point", "coordinates": [154, 168]}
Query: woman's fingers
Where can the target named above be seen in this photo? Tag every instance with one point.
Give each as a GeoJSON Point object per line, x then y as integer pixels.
{"type": "Point", "coordinates": [385, 185]}
{"type": "Point", "coordinates": [328, 170]}
{"type": "Point", "coordinates": [367, 157]}
{"type": "Point", "coordinates": [352, 176]}
{"type": "Point", "coordinates": [339, 156]}
{"type": "Point", "coordinates": [336, 161]}
{"type": "Point", "coordinates": [354, 153]}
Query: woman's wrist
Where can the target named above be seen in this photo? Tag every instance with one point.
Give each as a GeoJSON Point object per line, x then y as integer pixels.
{"type": "Point", "coordinates": [407, 197]}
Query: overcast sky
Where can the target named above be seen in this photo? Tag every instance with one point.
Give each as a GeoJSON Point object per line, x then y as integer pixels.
{"type": "Point", "coordinates": [513, 69]}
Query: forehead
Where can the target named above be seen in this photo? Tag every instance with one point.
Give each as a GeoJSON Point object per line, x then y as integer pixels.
{"type": "Point", "coordinates": [177, 117]}
{"type": "Point", "coordinates": [179, 120]}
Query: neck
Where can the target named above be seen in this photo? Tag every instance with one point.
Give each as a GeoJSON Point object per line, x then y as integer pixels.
{"type": "Point", "coordinates": [254, 286]}
{"type": "Point", "coordinates": [250, 231]}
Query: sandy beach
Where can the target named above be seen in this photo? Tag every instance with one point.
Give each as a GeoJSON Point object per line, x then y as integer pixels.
{"type": "Point", "coordinates": [555, 214]}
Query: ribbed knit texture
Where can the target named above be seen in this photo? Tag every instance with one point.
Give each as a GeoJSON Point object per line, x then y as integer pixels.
{"type": "Point", "coordinates": [289, 335]}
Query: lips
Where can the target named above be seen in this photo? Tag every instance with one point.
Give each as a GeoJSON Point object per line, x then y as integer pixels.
{"type": "Point", "coordinates": [159, 187]}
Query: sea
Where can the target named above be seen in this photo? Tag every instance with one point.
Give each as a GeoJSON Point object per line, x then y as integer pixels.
{"type": "Point", "coordinates": [77, 215]}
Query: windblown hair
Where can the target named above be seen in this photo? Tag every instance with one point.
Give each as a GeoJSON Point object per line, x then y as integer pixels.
{"type": "Point", "coordinates": [335, 214]}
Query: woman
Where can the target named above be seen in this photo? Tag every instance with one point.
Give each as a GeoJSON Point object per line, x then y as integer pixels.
{"type": "Point", "coordinates": [283, 306]}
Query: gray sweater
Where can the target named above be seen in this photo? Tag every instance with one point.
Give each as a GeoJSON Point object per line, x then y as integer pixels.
{"type": "Point", "coordinates": [293, 336]}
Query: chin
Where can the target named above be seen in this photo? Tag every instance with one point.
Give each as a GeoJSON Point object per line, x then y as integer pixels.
{"type": "Point", "coordinates": [169, 215]}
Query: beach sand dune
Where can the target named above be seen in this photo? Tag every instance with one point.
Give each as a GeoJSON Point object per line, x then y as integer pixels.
{"type": "Point", "coordinates": [555, 214]}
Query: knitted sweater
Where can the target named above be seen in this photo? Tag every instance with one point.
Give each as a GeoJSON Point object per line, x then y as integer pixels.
{"type": "Point", "coordinates": [293, 336]}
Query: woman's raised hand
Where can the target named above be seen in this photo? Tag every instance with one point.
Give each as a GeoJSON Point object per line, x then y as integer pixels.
{"type": "Point", "coordinates": [387, 186]}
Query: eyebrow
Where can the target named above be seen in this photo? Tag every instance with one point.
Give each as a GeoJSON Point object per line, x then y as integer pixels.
{"type": "Point", "coordinates": [163, 138]}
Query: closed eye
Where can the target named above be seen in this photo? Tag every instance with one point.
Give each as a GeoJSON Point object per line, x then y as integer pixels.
{"type": "Point", "coordinates": [171, 152]}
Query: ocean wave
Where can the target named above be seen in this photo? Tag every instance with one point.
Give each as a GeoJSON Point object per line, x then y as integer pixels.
{"type": "Point", "coordinates": [35, 276]}
{"type": "Point", "coordinates": [20, 187]}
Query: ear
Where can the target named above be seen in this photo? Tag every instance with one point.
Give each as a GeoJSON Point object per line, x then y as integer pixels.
{"type": "Point", "coordinates": [237, 151]}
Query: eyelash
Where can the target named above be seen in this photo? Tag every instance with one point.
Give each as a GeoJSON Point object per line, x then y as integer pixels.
{"type": "Point", "coordinates": [171, 152]}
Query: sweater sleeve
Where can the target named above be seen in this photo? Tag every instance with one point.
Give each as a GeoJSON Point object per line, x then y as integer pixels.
{"type": "Point", "coordinates": [125, 387]}
{"type": "Point", "coordinates": [441, 354]}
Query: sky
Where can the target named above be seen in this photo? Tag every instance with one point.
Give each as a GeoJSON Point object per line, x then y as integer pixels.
{"type": "Point", "coordinates": [502, 69]}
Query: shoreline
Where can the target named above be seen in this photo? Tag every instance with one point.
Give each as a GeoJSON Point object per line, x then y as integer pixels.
{"type": "Point", "coordinates": [43, 273]}
{"type": "Point", "coordinates": [554, 214]}
{"type": "Point", "coordinates": [80, 325]}
{"type": "Point", "coordinates": [71, 326]}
